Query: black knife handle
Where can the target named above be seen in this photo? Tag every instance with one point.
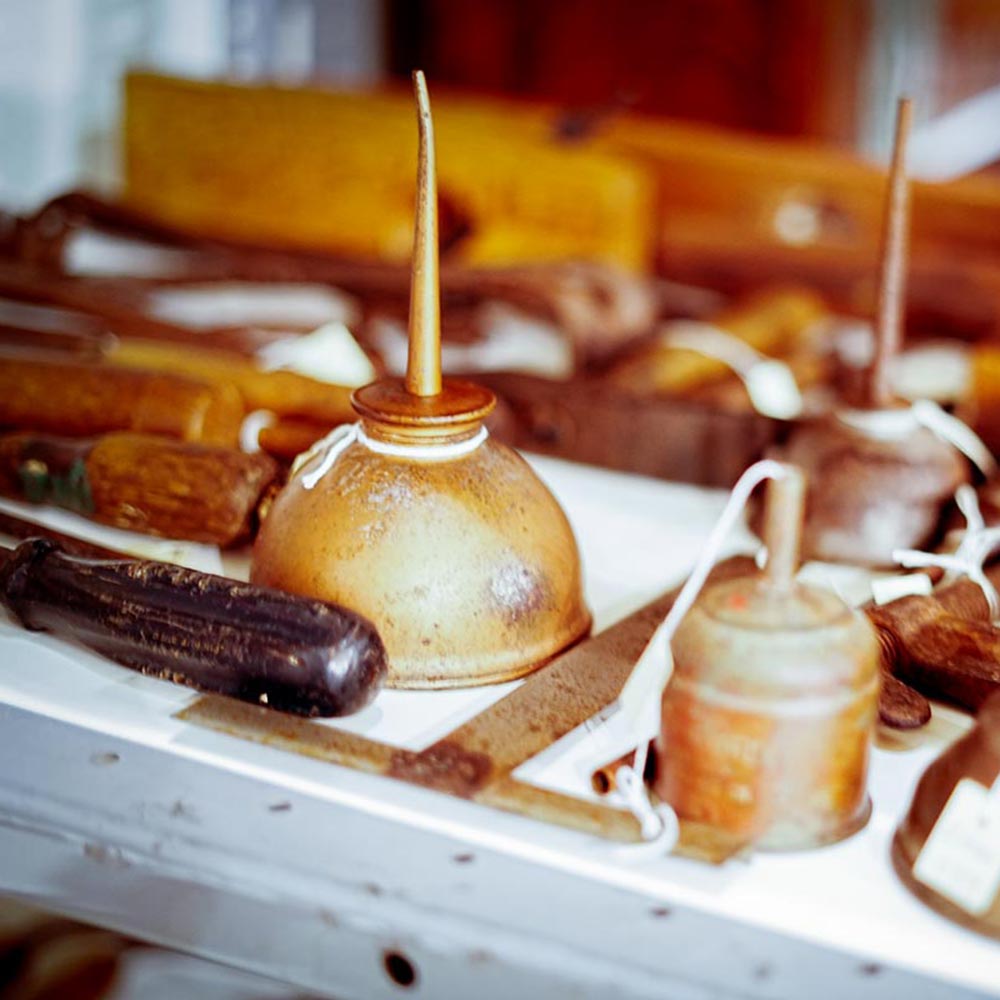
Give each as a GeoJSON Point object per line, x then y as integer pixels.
{"type": "Point", "coordinates": [262, 645]}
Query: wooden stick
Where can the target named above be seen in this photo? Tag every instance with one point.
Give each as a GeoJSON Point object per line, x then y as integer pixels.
{"type": "Point", "coordinates": [423, 370]}
{"type": "Point", "coordinates": [892, 278]}
{"type": "Point", "coordinates": [285, 393]}
{"type": "Point", "coordinates": [77, 400]}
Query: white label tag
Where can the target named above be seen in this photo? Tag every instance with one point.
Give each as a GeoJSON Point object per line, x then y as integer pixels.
{"type": "Point", "coordinates": [891, 588]}
{"type": "Point", "coordinates": [949, 428]}
{"type": "Point", "coordinates": [961, 857]}
{"type": "Point", "coordinates": [328, 354]}
{"type": "Point", "coordinates": [773, 390]}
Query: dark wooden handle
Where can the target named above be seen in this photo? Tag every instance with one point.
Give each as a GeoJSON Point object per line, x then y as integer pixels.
{"type": "Point", "coordinates": [954, 660]}
{"type": "Point", "coordinates": [266, 646]}
{"type": "Point", "coordinates": [943, 646]}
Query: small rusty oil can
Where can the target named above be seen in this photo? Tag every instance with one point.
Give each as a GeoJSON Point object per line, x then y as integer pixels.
{"type": "Point", "coordinates": [768, 718]}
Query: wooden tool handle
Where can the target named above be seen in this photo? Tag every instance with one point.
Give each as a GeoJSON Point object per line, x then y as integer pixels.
{"type": "Point", "coordinates": [296, 654]}
{"type": "Point", "coordinates": [899, 705]}
{"type": "Point", "coordinates": [953, 660]}
{"type": "Point", "coordinates": [285, 393]}
{"type": "Point", "coordinates": [943, 645]}
{"type": "Point", "coordinates": [141, 482]}
{"type": "Point", "coordinates": [82, 399]}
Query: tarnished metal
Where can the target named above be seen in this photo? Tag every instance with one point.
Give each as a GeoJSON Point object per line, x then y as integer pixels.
{"type": "Point", "coordinates": [428, 768]}
{"type": "Point", "coordinates": [878, 479]}
{"type": "Point", "coordinates": [448, 542]}
{"type": "Point", "coordinates": [870, 495]}
{"type": "Point", "coordinates": [892, 277]}
{"type": "Point", "coordinates": [446, 767]}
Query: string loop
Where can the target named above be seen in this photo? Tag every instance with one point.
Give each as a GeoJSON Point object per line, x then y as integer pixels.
{"type": "Point", "coordinates": [658, 825]}
{"type": "Point", "coordinates": [957, 433]}
{"type": "Point", "coordinates": [330, 447]}
{"type": "Point", "coordinates": [633, 719]}
{"type": "Point", "coordinates": [770, 383]}
{"type": "Point", "coordinates": [340, 438]}
{"type": "Point", "coordinates": [977, 545]}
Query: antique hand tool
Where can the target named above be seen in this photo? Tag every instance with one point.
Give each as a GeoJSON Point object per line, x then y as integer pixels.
{"type": "Point", "coordinates": [215, 634]}
{"type": "Point", "coordinates": [943, 644]}
{"type": "Point", "coordinates": [590, 420]}
{"type": "Point", "coordinates": [477, 759]}
{"type": "Point", "coordinates": [957, 783]}
{"type": "Point", "coordinates": [141, 482]}
{"type": "Point", "coordinates": [79, 399]}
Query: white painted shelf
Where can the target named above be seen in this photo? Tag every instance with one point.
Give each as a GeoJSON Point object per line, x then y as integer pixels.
{"type": "Point", "coordinates": [114, 811]}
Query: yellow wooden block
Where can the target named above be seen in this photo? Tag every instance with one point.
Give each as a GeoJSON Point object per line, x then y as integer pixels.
{"type": "Point", "coordinates": [336, 171]}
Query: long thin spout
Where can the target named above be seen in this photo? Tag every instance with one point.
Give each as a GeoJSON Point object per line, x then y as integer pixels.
{"type": "Point", "coordinates": [423, 369]}
{"type": "Point", "coordinates": [892, 279]}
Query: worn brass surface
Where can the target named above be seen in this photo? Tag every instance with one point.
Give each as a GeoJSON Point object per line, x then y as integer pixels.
{"type": "Point", "coordinates": [467, 567]}
{"type": "Point", "coordinates": [463, 560]}
{"type": "Point", "coordinates": [423, 372]}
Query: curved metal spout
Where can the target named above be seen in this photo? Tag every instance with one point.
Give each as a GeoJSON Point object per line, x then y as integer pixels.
{"type": "Point", "coordinates": [423, 369]}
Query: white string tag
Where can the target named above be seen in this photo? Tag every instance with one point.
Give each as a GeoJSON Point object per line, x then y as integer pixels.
{"type": "Point", "coordinates": [253, 423]}
{"type": "Point", "coordinates": [328, 354]}
{"type": "Point", "coordinates": [340, 438]}
{"type": "Point", "coordinates": [773, 390]}
{"type": "Point", "coordinates": [949, 428]}
{"type": "Point", "coordinates": [891, 424]}
{"type": "Point", "coordinates": [977, 545]}
{"type": "Point", "coordinates": [633, 719]}
{"type": "Point", "coordinates": [330, 447]}
{"type": "Point", "coordinates": [961, 857]}
{"type": "Point", "coordinates": [659, 826]}
{"type": "Point", "coordinates": [770, 383]}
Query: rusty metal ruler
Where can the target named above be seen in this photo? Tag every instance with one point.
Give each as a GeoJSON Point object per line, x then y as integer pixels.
{"type": "Point", "coordinates": [476, 760]}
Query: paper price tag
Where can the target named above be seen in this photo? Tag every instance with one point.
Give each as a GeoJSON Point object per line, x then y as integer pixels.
{"type": "Point", "coordinates": [961, 857]}
{"type": "Point", "coordinates": [891, 588]}
{"type": "Point", "coordinates": [773, 390]}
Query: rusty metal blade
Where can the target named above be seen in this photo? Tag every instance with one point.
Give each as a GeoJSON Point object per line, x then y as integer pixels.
{"type": "Point", "coordinates": [301, 736]}
{"type": "Point", "coordinates": [288, 732]}
{"type": "Point", "coordinates": [19, 527]}
{"type": "Point", "coordinates": [549, 704]}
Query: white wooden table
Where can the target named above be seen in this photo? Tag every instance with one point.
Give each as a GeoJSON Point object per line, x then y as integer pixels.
{"type": "Point", "coordinates": [347, 884]}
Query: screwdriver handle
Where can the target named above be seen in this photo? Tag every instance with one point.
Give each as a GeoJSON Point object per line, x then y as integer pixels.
{"type": "Point", "coordinates": [255, 643]}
